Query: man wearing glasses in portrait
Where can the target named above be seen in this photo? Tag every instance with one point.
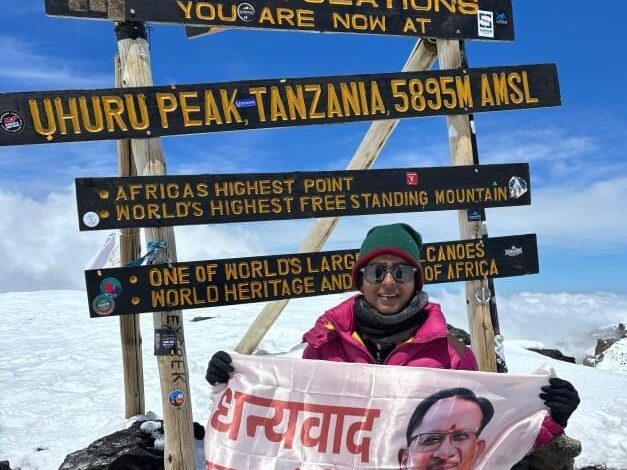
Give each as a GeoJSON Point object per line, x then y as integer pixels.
{"type": "Point", "coordinates": [444, 431]}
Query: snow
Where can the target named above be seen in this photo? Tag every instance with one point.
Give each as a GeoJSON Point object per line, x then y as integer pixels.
{"type": "Point", "coordinates": [615, 358]}
{"type": "Point", "coordinates": [62, 373]}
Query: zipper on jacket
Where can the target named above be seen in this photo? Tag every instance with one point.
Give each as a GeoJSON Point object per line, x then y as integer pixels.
{"type": "Point", "coordinates": [378, 359]}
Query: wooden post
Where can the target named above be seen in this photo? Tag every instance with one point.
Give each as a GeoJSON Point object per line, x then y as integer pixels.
{"type": "Point", "coordinates": [149, 161]}
{"type": "Point", "coordinates": [460, 144]}
{"type": "Point", "coordinates": [421, 58]}
{"type": "Point", "coordinates": [130, 332]}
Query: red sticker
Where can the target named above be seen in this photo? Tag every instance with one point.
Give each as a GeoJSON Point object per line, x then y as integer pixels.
{"type": "Point", "coordinates": [411, 178]}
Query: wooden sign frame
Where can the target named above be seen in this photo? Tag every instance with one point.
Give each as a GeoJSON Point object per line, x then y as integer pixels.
{"type": "Point", "coordinates": [113, 203]}
{"type": "Point", "coordinates": [199, 284]}
{"type": "Point", "coordinates": [146, 112]}
{"type": "Point", "coordinates": [461, 19]}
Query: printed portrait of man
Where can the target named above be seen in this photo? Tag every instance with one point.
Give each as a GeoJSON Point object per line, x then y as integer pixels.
{"type": "Point", "coordinates": [444, 431]}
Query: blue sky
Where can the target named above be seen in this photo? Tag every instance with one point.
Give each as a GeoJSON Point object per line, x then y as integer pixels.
{"type": "Point", "coordinates": [576, 152]}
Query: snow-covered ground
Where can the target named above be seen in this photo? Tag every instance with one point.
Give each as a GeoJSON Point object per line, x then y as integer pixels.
{"type": "Point", "coordinates": [61, 377]}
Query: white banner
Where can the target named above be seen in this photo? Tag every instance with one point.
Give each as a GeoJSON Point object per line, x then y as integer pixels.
{"type": "Point", "coordinates": [293, 414]}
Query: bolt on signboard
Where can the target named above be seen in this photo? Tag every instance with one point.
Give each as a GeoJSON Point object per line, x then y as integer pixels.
{"type": "Point", "coordinates": [108, 203]}
{"type": "Point", "coordinates": [146, 112]}
{"type": "Point", "coordinates": [464, 19]}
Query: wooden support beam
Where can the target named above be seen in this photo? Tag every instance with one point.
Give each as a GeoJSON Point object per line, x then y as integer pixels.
{"type": "Point", "coordinates": [422, 57]}
{"type": "Point", "coordinates": [460, 144]}
{"type": "Point", "coordinates": [130, 332]}
{"type": "Point", "coordinates": [149, 161]}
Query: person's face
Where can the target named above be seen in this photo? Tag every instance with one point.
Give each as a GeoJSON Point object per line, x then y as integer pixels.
{"type": "Point", "coordinates": [389, 296]}
{"type": "Point", "coordinates": [453, 444]}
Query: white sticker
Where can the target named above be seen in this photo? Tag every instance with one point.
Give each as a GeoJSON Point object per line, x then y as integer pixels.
{"type": "Point", "coordinates": [485, 20]}
{"type": "Point", "coordinates": [246, 12]}
{"type": "Point", "coordinates": [91, 219]}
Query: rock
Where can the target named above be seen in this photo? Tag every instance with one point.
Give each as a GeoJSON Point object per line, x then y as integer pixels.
{"type": "Point", "coordinates": [559, 454]}
{"type": "Point", "coordinates": [129, 449]}
{"type": "Point", "coordinates": [5, 465]}
{"type": "Point", "coordinates": [599, 467]}
{"type": "Point", "coordinates": [459, 334]}
{"type": "Point", "coordinates": [197, 319]}
{"type": "Point", "coordinates": [609, 337]}
{"type": "Point", "coordinates": [555, 354]}
{"type": "Point", "coordinates": [603, 345]}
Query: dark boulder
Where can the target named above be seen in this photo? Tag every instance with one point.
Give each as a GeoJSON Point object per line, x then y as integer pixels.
{"type": "Point", "coordinates": [555, 354]}
{"type": "Point", "coordinates": [5, 465]}
{"type": "Point", "coordinates": [129, 449]}
{"type": "Point", "coordinates": [609, 337]}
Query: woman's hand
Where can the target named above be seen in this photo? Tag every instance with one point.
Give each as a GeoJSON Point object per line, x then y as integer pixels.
{"type": "Point", "coordinates": [562, 399]}
{"type": "Point", "coordinates": [219, 368]}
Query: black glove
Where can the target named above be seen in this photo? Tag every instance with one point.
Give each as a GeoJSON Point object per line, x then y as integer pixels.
{"type": "Point", "coordinates": [219, 368]}
{"type": "Point", "coordinates": [561, 398]}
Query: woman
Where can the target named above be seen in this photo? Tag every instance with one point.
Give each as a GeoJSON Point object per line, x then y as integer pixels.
{"type": "Point", "coordinates": [392, 322]}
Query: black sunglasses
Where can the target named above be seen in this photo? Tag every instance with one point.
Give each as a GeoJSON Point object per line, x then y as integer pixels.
{"type": "Point", "coordinates": [401, 273]}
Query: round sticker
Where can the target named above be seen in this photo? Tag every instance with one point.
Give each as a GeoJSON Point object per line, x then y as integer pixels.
{"type": "Point", "coordinates": [246, 12]}
{"type": "Point", "coordinates": [91, 219]}
{"type": "Point", "coordinates": [176, 398]}
{"type": "Point", "coordinates": [11, 122]}
{"type": "Point", "coordinates": [103, 305]}
{"type": "Point", "coordinates": [483, 295]}
{"type": "Point", "coordinates": [111, 286]}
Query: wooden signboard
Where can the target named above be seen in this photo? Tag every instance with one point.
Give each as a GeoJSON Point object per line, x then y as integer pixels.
{"type": "Point", "coordinates": [454, 19]}
{"type": "Point", "coordinates": [143, 112]}
{"type": "Point", "coordinates": [121, 291]}
{"type": "Point", "coordinates": [112, 203]}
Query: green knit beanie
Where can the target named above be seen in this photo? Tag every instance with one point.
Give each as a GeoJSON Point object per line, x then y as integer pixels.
{"type": "Point", "coordinates": [396, 239]}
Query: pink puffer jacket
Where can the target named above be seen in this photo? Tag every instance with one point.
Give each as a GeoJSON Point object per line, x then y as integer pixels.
{"type": "Point", "coordinates": [333, 338]}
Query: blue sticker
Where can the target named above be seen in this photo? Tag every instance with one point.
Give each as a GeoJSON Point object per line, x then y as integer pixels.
{"type": "Point", "coordinates": [474, 215]}
{"type": "Point", "coordinates": [111, 286]}
{"type": "Point", "coordinates": [103, 305]}
{"type": "Point", "coordinates": [176, 398]}
{"type": "Point", "coordinates": [501, 18]}
{"type": "Point", "coordinates": [246, 103]}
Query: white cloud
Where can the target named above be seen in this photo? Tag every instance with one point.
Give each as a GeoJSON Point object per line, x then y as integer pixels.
{"type": "Point", "coordinates": [23, 68]}
{"type": "Point", "coordinates": [589, 218]}
{"type": "Point", "coordinates": [42, 248]}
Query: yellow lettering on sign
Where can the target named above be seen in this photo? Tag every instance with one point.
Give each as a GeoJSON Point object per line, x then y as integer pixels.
{"type": "Point", "coordinates": [313, 108]}
{"type": "Point", "coordinates": [258, 93]}
{"type": "Point", "coordinates": [212, 113]}
{"type": "Point", "coordinates": [113, 107]}
{"type": "Point", "coordinates": [350, 99]}
{"type": "Point", "coordinates": [487, 98]}
{"type": "Point", "coordinates": [228, 106]}
{"type": "Point", "coordinates": [296, 102]}
{"type": "Point", "coordinates": [166, 103]}
{"type": "Point", "coordinates": [472, 269]}
{"type": "Point", "coordinates": [143, 122]}
{"type": "Point", "coordinates": [528, 98]}
{"type": "Point", "coordinates": [71, 115]}
{"type": "Point", "coordinates": [187, 109]}
{"type": "Point", "coordinates": [98, 123]}
{"type": "Point", "coordinates": [277, 108]}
